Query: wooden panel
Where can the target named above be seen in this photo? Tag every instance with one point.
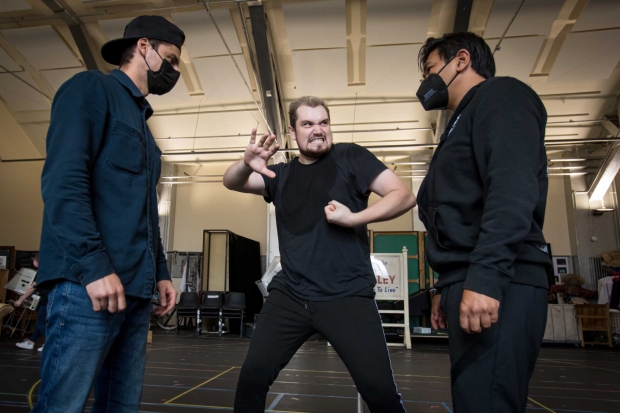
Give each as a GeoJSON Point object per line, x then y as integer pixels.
{"type": "Point", "coordinates": [4, 279]}
{"type": "Point", "coordinates": [218, 258]}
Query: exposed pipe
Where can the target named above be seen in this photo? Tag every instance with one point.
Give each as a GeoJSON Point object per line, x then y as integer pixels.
{"type": "Point", "coordinates": [497, 47]}
{"type": "Point", "coordinates": [247, 135]}
{"type": "Point", "coordinates": [402, 146]}
{"type": "Point", "coordinates": [362, 130]}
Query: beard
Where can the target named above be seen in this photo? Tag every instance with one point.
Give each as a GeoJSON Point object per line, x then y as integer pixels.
{"type": "Point", "coordinates": [315, 153]}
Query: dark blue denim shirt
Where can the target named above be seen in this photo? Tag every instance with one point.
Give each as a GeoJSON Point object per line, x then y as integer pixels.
{"type": "Point", "coordinates": [99, 186]}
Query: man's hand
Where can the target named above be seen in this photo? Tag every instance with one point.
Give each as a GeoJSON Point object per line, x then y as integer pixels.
{"type": "Point", "coordinates": [107, 293]}
{"type": "Point", "coordinates": [438, 317]}
{"type": "Point", "coordinates": [477, 311]}
{"type": "Point", "coordinates": [339, 214]}
{"type": "Point", "coordinates": [257, 154]}
{"type": "Point", "coordinates": [167, 297]}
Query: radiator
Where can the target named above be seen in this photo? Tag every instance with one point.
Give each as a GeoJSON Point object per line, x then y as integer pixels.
{"type": "Point", "coordinates": [596, 270]}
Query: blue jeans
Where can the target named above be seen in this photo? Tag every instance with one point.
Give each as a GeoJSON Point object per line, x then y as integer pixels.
{"type": "Point", "coordinates": [85, 348]}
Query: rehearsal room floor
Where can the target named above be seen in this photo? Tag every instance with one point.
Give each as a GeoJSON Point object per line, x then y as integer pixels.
{"type": "Point", "coordinates": [186, 373]}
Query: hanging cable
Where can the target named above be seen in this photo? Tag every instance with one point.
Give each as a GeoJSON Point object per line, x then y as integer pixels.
{"type": "Point", "coordinates": [196, 128]}
{"type": "Point", "coordinates": [498, 47]}
{"type": "Point", "coordinates": [28, 84]}
{"type": "Point", "coordinates": [260, 110]}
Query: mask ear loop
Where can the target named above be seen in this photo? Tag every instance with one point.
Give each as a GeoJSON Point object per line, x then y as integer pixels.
{"type": "Point", "coordinates": [147, 63]}
{"type": "Point", "coordinates": [162, 59]}
{"type": "Point", "coordinates": [444, 66]}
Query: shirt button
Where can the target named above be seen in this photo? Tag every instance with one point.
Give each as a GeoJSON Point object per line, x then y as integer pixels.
{"type": "Point", "coordinates": [150, 277]}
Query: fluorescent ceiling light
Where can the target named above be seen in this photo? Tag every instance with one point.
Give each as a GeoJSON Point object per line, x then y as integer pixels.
{"type": "Point", "coordinates": [568, 174]}
{"type": "Point", "coordinates": [192, 176]}
{"type": "Point", "coordinates": [604, 180]}
{"type": "Point", "coordinates": [407, 163]}
{"type": "Point", "coordinates": [552, 168]}
{"type": "Point", "coordinates": [604, 209]}
{"type": "Point", "coordinates": [567, 160]}
{"type": "Point", "coordinates": [410, 170]}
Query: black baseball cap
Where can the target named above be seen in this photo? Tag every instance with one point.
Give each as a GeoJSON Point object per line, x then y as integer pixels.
{"type": "Point", "coordinates": [151, 27]}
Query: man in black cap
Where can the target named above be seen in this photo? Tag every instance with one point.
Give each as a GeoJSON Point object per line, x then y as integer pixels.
{"type": "Point", "coordinates": [100, 246]}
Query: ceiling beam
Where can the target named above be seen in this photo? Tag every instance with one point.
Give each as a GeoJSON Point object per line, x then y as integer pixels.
{"type": "Point", "coordinates": [562, 26]}
{"type": "Point", "coordinates": [39, 80]}
{"type": "Point", "coordinates": [88, 50]}
{"type": "Point", "coordinates": [356, 42]}
{"type": "Point", "coordinates": [271, 95]}
{"type": "Point", "coordinates": [462, 16]}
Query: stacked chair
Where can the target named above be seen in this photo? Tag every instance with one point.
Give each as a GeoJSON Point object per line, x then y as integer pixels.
{"type": "Point", "coordinates": [211, 307]}
{"type": "Point", "coordinates": [215, 304]}
{"type": "Point", "coordinates": [235, 308]}
{"type": "Point", "coordinates": [188, 309]}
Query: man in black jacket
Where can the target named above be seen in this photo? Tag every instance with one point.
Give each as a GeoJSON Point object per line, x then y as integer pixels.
{"type": "Point", "coordinates": [483, 204]}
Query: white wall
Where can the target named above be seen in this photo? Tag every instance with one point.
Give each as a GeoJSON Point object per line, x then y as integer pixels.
{"type": "Point", "coordinates": [402, 223]}
{"type": "Point", "coordinates": [212, 206]}
{"type": "Point", "coordinates": [21, 206]}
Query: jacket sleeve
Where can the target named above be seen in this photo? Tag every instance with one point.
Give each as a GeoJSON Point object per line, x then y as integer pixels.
{"type": "Point", "coordinates": [508, 132]}
{"type": "Point", "coordinates": [162, 272]}
{"type": "Point", "coordinates": [78, 121]}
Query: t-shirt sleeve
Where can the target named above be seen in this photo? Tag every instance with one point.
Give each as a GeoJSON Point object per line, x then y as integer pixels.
{"type": "Point", "coordinates": [365, 167]}
{"type": "Point", "coordinates": [271, 184]}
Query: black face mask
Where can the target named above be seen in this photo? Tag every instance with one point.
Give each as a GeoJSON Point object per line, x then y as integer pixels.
{"type": "Point", "coordinates": [162, 81]}
{"type": "Point", "coordinates": [433, 92]}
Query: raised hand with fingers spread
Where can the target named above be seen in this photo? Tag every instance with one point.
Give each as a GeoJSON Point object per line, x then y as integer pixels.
{"type": "Point", "coordinates": [257, 154]}
{"type": "Point", "coordinates": [245, 175]}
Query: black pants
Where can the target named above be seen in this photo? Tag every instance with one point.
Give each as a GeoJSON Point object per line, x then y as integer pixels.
{"type": "Point", "coordinates": [353, 327]}
{"type": "Point", "coordinates": [491, 371]}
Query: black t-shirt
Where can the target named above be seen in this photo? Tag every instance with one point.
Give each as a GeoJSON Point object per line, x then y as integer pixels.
{"type": "Point", "coordinates": [323, 261]}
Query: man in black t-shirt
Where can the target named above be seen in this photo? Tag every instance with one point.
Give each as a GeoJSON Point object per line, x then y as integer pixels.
{"type": "Point", "coordinates": [326, 283]}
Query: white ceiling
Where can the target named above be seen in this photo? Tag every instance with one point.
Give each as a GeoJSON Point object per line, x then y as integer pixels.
{"type": "Point", "coordinates": [14, 5]}
{"type": "Point", "coordinates": [397, 21]}
{"type": "Point", "coordinates": [6, 61]}
{"type": "Point", "coordinates": [318, 44]}
{"type": "Point", "coordinates": [42, 47]}
{"type": "Point", "coordinates": [316, 25]}
{"type": "Point", "coordinates": [587, 55]}
{"type": "Point", "coordinates": [535, 17]}
{"type": "Point", "coordinates": [19, 96]}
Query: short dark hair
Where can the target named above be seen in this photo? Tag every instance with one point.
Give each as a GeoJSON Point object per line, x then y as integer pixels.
{"type": "Point", "coordinates": [482, 60]}
{"type": "Point", "coordinates": [131, 50]}
{"type": "Point", "coordinates": [311, 101]}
